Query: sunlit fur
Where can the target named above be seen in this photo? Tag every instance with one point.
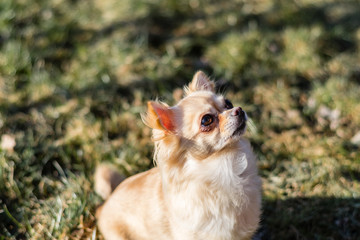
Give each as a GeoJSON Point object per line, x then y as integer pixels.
{"type": "Point", "coordinates": [205, 184]}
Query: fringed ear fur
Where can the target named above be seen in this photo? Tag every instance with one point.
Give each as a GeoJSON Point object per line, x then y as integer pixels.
{"type": "Point", "coordinates": [200, 82]}
{"type": "Point", "coordinates": [159, 116]}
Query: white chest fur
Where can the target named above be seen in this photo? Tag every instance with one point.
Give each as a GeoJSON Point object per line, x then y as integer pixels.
{"type": "Point", "coordinates": [216, 198]}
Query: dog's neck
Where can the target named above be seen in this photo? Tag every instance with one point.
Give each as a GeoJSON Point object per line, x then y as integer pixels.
{"type": "Point", "coordinates": [204, 194]}
{"type": "Point", "coordinates": [219, 171]}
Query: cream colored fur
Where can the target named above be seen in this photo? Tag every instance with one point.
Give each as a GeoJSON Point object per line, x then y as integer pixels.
{"type": "Point", "coordinates": [205, 184]}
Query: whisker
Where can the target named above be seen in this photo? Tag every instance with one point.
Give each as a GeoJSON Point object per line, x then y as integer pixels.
{"type": "Point", "coordinates": [252, 127]}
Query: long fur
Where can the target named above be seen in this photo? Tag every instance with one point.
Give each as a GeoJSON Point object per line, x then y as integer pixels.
{"type": "Point", "coordinates": [205, 184]}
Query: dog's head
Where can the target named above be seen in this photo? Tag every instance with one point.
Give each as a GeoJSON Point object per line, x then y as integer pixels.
{"type": "Point", "coordinates": [202, 122]}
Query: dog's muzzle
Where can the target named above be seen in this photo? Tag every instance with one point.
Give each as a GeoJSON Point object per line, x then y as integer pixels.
{"type": "Point", "coordinates": [241, 115]}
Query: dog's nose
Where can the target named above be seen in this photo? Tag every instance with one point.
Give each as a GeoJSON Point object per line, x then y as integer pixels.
{"type": "Point", "coordinates": [237, 111]}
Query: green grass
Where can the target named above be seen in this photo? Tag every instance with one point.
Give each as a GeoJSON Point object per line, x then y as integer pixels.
{"type": "Point", "coordinates": [75, 76]}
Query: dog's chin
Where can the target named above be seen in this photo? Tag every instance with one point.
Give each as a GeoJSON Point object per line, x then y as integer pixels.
{"type": "Point", "coordinates": [239, 131]}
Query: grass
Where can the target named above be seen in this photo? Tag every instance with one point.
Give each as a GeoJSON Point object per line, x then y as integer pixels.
{"type": "Point", "coordinates": [75, 76]}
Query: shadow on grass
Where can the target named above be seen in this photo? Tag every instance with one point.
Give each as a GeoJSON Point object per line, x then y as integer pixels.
{"type": "Point", "coordinates": [57, 44]}
{"type": "Point", "coordinates": [311, 218]}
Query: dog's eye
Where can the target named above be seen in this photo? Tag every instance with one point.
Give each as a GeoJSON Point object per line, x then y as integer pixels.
{"type": "Point", "coordinates": [207, 120]}
{"type": "Point", "coordinates": [228, 104]}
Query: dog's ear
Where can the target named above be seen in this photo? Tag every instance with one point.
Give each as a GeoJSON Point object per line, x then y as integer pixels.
{"type": "Point", "coordinates": [159, 116]}
{"type": "Point", "coordinates": [200, 82]}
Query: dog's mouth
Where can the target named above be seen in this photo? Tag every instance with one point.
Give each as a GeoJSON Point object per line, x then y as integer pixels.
{"type": "Point", "coordinates": [238, 132]}
{"type": "Point", "coordinates": [239, 125]}
{"type": "Point", "coordinates": [241, 129]}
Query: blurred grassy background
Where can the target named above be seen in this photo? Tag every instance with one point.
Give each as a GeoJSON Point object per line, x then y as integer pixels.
{"type": "Point", "coordinates": [75, 75]}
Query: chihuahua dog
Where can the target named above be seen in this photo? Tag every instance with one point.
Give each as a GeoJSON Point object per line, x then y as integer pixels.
{"type": "Point", "coordinates": [205, 184]}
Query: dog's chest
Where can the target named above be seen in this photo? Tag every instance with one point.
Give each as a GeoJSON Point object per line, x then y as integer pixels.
{"type": "Point", "coordinates": [202, 213]}
{"type": "Point", "coordinates": [210, 203]}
